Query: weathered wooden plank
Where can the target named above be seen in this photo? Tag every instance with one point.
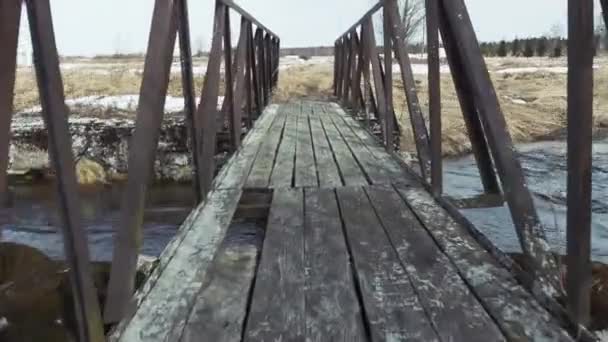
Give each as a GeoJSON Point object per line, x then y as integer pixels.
{"type": "Point", "coordinates": [305, 174]}
{"type": "Point", "coordinates": [259, 177]}
{"type": "Point", "coordinates": [453, 308]}
{"type": "Point", "coordinates": [329, 175]}
{"type": "Point", "coordinates": [514, 309]}
{"type": "Point", "coordinates": [332, 308]}
{"type": "Point", "coordinates": [220, 308]}
{"type": "Point", "coordinates": [385, 161]}
{"type": "Point", "coordinates": [369, 164]}
{"type": "Point", "coordinates": [168, 296]}
{"type": "Point", "coordinates": [393, 310]}
{"type": "Point", "coordinates": [238, 168]}
{"type": "Point", "coordinates": [283, 171]}
{"type": "Point", "coordinates": [349, 169]}
{"type": "Point", "coordinates": [277, 306]}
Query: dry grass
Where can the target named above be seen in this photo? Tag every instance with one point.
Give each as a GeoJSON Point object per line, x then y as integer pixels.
{"type": "Point", "coordinates": [543, 116]}
{"type": "Point", "coordinates": [114, 80]}
{"type": "Point", "coordinates": [311, 81]}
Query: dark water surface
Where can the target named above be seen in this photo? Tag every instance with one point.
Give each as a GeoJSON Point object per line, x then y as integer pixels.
{"type": "Point", "coordinates": [33, 220]}
{"type": "Point", "coordinates": [544, 164]}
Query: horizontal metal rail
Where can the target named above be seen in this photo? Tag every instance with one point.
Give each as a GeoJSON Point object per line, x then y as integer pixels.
{"type": "Point", "coordinates": [365, 17]}
{"type": "Point", "coordinates": [249, 17]}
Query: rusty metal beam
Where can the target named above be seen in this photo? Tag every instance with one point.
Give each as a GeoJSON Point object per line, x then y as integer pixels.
{"type": "Point", "coordinates": [434, 85]}
{"type": "Point", "coordinates": [539, 259]}
{"type": "Point", "coordinates": [188, 90]}
{"type": "Point", "coordinates": [207, 109]}
{"type": "Point", "coordinates": [479, 145]}
{"type": "Point", "coordinates": [54, 112]}
{"type": "Point", "coordinates": [10, 15]}
{"type": "Point", "coordinates": [580, 130]}
{"type": "Point", "coordinates": [242, 12]}
{"type": "Point", "coordinates": [388, 76]}
{"type": "Point", "coordinates": [370, 46]}
{"type": "Point", "coordinates": [142, 152]}
{"type": "Point", "coordinates": [421, 135]}
{"type": "Point", "coordinates": [234, 127]}
{"type": "Point", "coordinates": [363, 19]}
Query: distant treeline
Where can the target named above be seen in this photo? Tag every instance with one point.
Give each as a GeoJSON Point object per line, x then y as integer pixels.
{"type": "Point", "coordinates": [531, 47]}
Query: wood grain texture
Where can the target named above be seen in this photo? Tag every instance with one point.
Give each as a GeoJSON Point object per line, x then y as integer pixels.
{"type": "Point", "coordinates": [329, 174]}
{"type": "Point", "coordinates": [349, 168]}
{"type": "Point", "coordinates": [283, 172]}
{"type": "Point", "coordinates": [514, 309]}
{"type": "Point", "coordinates": [259, 177]}
{"type": "Point", "coordinates": [391, 167]}
{"type": "Point", "coordinates": [392, 308]}
{"type": "Point", "coordinates": [238, 168]}
{"type": "Point", "coordinates": [454, 310]}
{"type": "Point", "coordinates": [305, 166]}
{"type": "Point", "coordinates": [220, 308]}
{"type": "Point", "coordinates": [162, 313]}
{"type": "Point", "coordinates": [277, 305]}
{"type": "Point", "coordinates": [332, 309]}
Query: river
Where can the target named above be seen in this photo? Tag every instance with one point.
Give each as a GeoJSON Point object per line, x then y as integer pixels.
{"type": "Point", "coordinates": [33, 218]}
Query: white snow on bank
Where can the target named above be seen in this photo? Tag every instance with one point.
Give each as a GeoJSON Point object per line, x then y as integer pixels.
{"type": "Point", "coordinates": [288, 62]}
{"type": "Point", "coordinates": [533, 70]}
{"type": "Point", "coordinates": [123, 102]}
{"type": "Point", "coordinates": [421, 69]}
{"type": "Point", "coordinates": [603, 335]}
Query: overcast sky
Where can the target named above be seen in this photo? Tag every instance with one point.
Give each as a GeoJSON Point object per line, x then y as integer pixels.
{"type": "Point", "coordinates": [89, 27]}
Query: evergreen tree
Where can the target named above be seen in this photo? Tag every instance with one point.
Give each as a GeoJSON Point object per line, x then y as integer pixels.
{"type": "Point", "coordinates": [515, 51]}
{"type": "Point", "coordinates": [502, 49]}
{"type": "Point", "coordinates": [541, 47]}
{"type": "Point", "coordinates": [529, 48]}
{"type": "Point", "coordinates": [557, 48]}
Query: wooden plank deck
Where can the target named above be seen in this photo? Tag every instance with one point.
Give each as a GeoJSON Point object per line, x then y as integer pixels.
{"type": "Point", "coordinates": [354, 249]}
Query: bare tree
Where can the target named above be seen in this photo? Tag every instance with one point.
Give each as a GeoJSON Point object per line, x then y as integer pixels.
{"type": "Point", "coordinates": [412, 17]}
{"type": "Point", "coordinates": [412, 14]}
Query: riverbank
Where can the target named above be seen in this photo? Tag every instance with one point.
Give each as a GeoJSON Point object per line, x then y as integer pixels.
{"type": "Point", "coordinates": [531, 91]}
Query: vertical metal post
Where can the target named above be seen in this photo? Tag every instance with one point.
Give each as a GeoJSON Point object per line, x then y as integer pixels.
{"type": "Point", "coordinates": [470, 114]}
{"type": "Point", "coordinates": [10, 15]}
{"type": "Point", "coordinates": [370, 46]}
{"type": "Point", "coordinates": [248, 73]}
{"type": "Point", "coordinates": [434, 80]}
{"type": "Point", "coordinates": [255, 65]}
{"type": "Point", "coordinates": [269, 62]}
{"type": "Point", "coordinates": [142, 152]}
{"type": "Point", "coordinates": [421, 135]}
{"type": "Point", "coordinates": [539, 260]}
{"type": "Point", "coordinates": [188, 90]}
{"type": "Point", "coordinates": [54, 111]}
{"type": "Point", "coordinates": [580, 125]}
{"type": "Point", "coordinates": [235, 138]}
{"type": "Point", "coordinates": [207, 108]}
{"type": "Point", "coordinates": [388, 76]}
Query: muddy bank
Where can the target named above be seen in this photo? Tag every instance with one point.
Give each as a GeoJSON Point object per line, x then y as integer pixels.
{"type": "Point", "coordinates": [100, 147]}
{"type": "Point", "coordinates": [36, 302]}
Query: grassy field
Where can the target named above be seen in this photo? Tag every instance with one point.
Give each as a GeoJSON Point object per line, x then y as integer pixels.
{"type": "Point", "coordinates": [533, 101]}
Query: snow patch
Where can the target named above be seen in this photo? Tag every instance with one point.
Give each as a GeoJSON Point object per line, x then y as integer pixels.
{"type": "Point", "coordinates": [603, 335]}
{"type": "Point", "coordinates": [127, 102]}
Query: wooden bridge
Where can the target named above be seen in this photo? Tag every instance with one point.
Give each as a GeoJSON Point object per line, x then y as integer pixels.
{"type": "Point", "coordinates": [316, 229]}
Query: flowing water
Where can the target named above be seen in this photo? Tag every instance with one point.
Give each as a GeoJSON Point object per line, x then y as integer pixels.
{"type": "Point", "coordinates": [33, 219]}
{"type": "Point", "coordinates": [544, 165]}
